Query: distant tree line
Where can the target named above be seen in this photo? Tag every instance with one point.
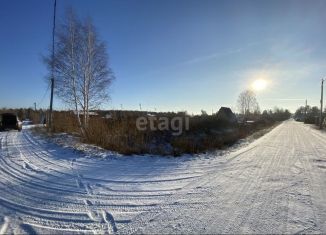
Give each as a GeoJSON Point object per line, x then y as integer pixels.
{"type": "Point", "coordinates": [278, 114]}
{"type": "Point", "coordinates": [308, 114]}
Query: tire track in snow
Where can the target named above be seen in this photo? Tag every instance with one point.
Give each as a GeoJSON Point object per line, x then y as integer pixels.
{"type": "Point", "coordinates": [94, 214]}
{"type": "Point", "coordinates": [130, 201]}
{"type": "Point", "coordinates": [20, 179]}
{"type": "Point", "coordinates": [241, 194]}
{"type": "Point", "coordinates": [312, 173]}
{"type": "Point", "coordinates": [269, 200]}
{"type": "Point", "coordinates": [169, 202]}
{"type": "Point", "coordinates": [145, 218]}
{"type": "Point", "coordinates": [244, 196]}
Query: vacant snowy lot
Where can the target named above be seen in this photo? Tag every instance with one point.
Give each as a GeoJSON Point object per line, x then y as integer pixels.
{"type": "Point", "coordinates": [276, 184]}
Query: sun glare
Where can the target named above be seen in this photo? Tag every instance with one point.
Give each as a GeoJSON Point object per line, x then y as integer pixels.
{"type": "Point", "coordinates": [259, 84]}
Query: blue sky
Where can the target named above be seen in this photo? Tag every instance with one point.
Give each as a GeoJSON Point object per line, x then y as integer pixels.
{"type": "Point", "coordinates": [176, 55]}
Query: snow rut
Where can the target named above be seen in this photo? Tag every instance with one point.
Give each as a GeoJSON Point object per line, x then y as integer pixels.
{"type": "Point", "coordinates": [53, 190]}
{"type": "Point", "coordinates": [275, 185]}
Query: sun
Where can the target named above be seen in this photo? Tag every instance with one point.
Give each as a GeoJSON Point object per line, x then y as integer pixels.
{"type": "Point", "coordinates": [259, 85]}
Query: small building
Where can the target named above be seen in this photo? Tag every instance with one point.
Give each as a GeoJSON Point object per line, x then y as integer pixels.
{"type": "Point", "coordinates": [81, 113]}
{"type": "Point", "coordinates": [226, 115]}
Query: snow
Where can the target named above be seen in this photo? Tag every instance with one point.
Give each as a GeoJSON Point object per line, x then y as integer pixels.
{"type": "Point", "coordinates": [275, 184]}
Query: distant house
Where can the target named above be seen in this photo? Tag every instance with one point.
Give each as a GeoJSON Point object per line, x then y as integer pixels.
{"type": "Point", "coordinates": [90, 113]}
{"type": "Point", "coordinates": [226, 115]}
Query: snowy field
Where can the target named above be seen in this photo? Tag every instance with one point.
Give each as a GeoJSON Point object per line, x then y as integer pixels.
{"type": "Point", "coordinates": [276, 184]}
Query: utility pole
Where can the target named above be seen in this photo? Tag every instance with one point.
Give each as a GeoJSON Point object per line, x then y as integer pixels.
{"type": "Point", "coordinates": [305, 110]}
{"type": "Point", "coordinates": [52, 66]}
{"type": "Point", "coordinates": [35, 106]}
{"type": "Point", "coordinates": [321, 104]}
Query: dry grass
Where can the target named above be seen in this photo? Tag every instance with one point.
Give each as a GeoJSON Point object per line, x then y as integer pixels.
{"type": "Point", "coordinates": [117, 135]}
{"type": "Point", "coordinates": [120, 134]}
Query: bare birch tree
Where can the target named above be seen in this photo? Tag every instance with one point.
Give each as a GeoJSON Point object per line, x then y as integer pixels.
{"type": "Point", "coordinates": [247, 103]}
{"type": "Point", "coordinates": [82, 74]}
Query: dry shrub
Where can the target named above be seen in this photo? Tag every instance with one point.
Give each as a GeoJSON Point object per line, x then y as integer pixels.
{"type": "Point", "coordinates": [119, 133]}
{"type": "Point", "coordinates": [184, 144]}
{"type": "Point", "coordinates": [65, 122]}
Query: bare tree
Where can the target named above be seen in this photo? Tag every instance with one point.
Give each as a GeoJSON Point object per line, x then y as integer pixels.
{"type": "Point", "coordinates": [82, 74]}
{"type": "Point", "coordinates": [247, 103]}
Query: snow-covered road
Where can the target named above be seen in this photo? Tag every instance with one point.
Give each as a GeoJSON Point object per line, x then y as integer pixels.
{"type": "Point", "coordinates": [276, 184]}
